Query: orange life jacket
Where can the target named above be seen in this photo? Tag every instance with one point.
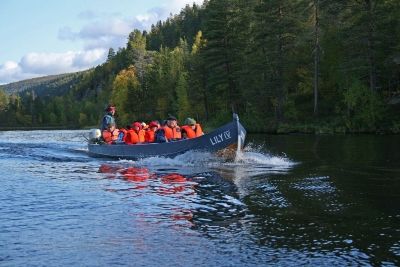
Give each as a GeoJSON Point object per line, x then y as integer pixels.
{"type": "Point", "coordinates": [172, 133]}
{"type": "Point", "coordinates": [190, 133]}
{"type": "Point", "coordinates": [109, 137]}
{"type": "Point", "coordinates": [150, 136]}
{"type": "Point", "coordinates": [141, 135]}
{"type": "Point", "coordinates": [132, 137]}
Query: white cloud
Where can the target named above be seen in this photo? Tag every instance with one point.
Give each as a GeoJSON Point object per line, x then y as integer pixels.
{"type": "Point", "coordinates": [9, 68]}
{"type": "Point", "coordinates": [42, 64]}
{"type": "Point", "coordinates": [113, 27]}
{"type": "Point", "coordinates": [151, 17]}
{"type": "Point", "coordinates": [109, 30]}
{"type": "Point", "coordinates": [86, 59]}
{"type": "Point", "coordinates": [10, 71]}
{"type": "Point", "coordinates": [100, 32]}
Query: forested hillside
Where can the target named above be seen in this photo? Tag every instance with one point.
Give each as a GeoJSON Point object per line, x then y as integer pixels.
{"type": "Point", "coordinates": [285, 66]}
{"type": "Point", "coordinates": [19, 100]}
{"type": "Point", "coordinates": [52, 85]}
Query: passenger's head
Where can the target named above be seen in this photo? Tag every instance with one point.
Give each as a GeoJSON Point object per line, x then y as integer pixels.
{"type": "Point", "coordinates": [154, 125]}
{"type": "Point", "coordinates": [144, 126]}
{"type": "Point", "coordinates": [111, 109]}
{"type": "Point", "coordinates": [111, 126]}
{"type": "Point", "coordinates": [190, 122]}
{"type": "Point", "coordinates": [137, 126]}
{"type": "Point", "coordinates": [172, 121]}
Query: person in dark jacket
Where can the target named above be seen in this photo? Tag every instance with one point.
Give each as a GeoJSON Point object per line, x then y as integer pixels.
{"type": "Point", "coordinates": [108, 117]}
{"type": "Point", "coordinates": [169, 132]}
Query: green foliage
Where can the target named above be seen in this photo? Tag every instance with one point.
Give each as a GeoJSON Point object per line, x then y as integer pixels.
{"type": "Point", "coordinates": [183, 107]}
{"type": "Point", "coordinates": [125, 92]}
{"type": "Point", "coordinates": [365, 109]}
{"type": "Point", "coordinates": [256, 57]}
{"type": "Point", "coordinates": [3, 101]}
{"type": "Point", "coordinates": [168, 33]}
{"type": "Point", "coordinates": [395, 128]}
{"type": "Point", "coordinates": [83, 119]}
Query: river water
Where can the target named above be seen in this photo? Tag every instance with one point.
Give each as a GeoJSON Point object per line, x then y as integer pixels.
{"type": "Point", "coordinates": [287, 200]}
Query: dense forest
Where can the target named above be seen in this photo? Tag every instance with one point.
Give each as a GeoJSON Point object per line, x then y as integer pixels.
{"type": "Point", "coordinates": [314, 66]}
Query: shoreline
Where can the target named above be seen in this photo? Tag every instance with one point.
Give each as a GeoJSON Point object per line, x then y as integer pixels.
{"type": "Point", "coordinates": [249, 131]}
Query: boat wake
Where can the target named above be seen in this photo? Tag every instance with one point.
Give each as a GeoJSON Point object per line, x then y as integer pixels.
{"type": "Point", "coordinates": [254, 155]}
{"type": "Point", "coordinates": [250, 157]}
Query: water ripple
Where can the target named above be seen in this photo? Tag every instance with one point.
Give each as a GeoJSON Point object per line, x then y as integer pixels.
{"type": "Point", "coordinates": [63, 208]}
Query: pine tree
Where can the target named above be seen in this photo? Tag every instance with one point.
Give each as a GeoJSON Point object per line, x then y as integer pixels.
{"type": "Point", "coordinates": [136, 52]}
{"type": "Point", "coordinates": [181, 55]}
{"type": "Point", "coordinates": [3, 100]}
{"type": "Point", "coordinates": [276, 28]}
{"type": "Point", "coordinates": [198, 77]}
{"type": "Point", "coordinates": [220, 53]}
{"type": "Point", "coordinates": [111, 54]}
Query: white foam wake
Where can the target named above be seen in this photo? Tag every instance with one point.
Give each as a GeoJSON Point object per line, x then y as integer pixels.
{"type": "Point", "coordinates": [249, 157]}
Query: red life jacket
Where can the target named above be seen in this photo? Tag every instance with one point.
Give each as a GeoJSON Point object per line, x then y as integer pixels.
{"type": "Point", "coordinates": [190, 133]}
{"type": "Point", "coordinates": [132, 137]}
{"type": "Point", "coordinates": [172, 133]}
{"type": "Point", "coordinates": [150, 136]}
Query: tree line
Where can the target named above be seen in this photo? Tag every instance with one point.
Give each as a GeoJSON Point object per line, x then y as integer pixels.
{"type": "Point", "coordinates": [284, 66]}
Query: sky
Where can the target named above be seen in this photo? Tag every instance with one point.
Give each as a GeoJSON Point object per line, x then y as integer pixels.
{"type": "Point", "coordinates": [45, 37]}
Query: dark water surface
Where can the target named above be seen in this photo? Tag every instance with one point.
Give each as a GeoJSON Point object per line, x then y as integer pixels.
{"type": "Point", "coordinates": [288, 200]}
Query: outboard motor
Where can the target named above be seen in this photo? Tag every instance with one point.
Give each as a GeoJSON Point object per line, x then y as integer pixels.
{"type": "Point", "coordinates": [94, 136]}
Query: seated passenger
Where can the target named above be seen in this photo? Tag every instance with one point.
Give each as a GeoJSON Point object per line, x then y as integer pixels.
{"type": "Point", "coordinates": [110, 134]}
{"type": "Point", "coordinates": [151, 132]}
{"type": "Point", "coordinates": [160, 136]}
{"type": "Point", "coordinates": [171, 130]}
{"type": "Point", "coordinates": [145, 126]}
{"type": "Point", "coordinates": [191, 129]}
{"type": "Point", "coordinates": [135, 134]}
{"type": "Point", "coordinates": [123, 132]}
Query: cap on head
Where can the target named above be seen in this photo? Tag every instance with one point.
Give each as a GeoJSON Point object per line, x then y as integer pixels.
{"type": "Point", "coordinates": [153, 124]}
{"type": "Point", "coordinates": [190, 121]}
{"type": "Point", "coordinates": [137, 124]}
{"type": "Point", "coordinates": [171, 118]}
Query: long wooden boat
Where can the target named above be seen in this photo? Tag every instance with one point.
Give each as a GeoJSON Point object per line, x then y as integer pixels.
{"type": "Point", "coordinates": [229, 135]}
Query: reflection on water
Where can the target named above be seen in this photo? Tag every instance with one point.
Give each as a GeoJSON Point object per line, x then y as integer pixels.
{"type": "Point", "coordinates": [197, 198]}
{"type": "Point", "coordinates": [285, 200]}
